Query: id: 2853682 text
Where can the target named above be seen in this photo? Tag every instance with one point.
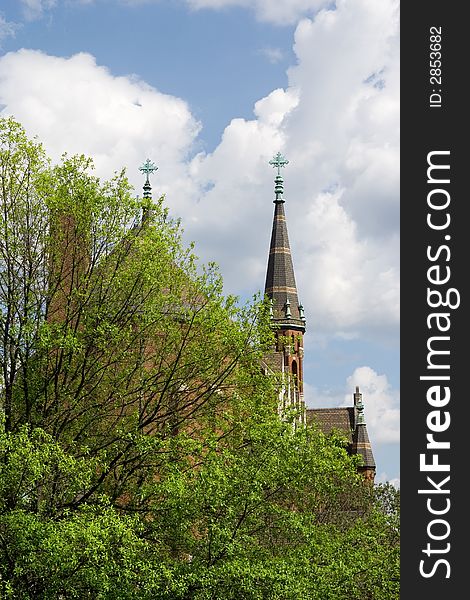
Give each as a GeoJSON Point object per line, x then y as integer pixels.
{"type": "Point", "coordinates": [435, 67]}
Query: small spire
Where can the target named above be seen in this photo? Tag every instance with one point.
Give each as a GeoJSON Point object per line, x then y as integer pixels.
{"type": "Point", "coordinates": [361, 443]}
{"type": "Point", "coordinates": [271, 313]}
{"type": "Point", "coordinates": [360, 407]}
{"type": "Point", "coordinates": [279, 161]}
{"type": "Point", "coordinates": [301, 313]}
{"type": "Point", "coordinates": [288, 312]}
{"type": "Point", "coordinates": [148, 167]}
{"type": "Point", "coordinates": [357, 396]}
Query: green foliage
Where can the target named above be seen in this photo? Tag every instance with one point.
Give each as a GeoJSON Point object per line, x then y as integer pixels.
{"type": "Point", "coordinates": [141, 455]}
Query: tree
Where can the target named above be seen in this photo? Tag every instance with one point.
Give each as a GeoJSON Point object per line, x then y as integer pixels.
{"type": "Point", "coordinates": [280, 515]}
{"type": "Point", "coordinates": [141, 455]}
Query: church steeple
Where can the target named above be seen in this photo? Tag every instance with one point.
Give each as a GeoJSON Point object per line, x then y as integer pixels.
{"type": "Point", "coordinates": [287, 314]}
{"type": "Point", "coordinates": [280, 284]}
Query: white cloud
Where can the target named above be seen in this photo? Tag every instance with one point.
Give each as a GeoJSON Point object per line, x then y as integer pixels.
{"type": "Point", "coordinates": [75, 106]}
{"type": "Point", "coordinates": [349, 282]}
{"type": "Point", "coordinates": [337, 122]}
{"type": "Point", "coordinates": [279, 12]}
{"type": "Point", "coordinates": [381, 404]}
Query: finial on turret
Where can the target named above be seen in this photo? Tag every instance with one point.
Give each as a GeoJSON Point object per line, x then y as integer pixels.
{"type": "Point", "coordinates": [360, 407]}
{"type": "Point", "coordinates": [288, 312]}
{"type": "Point", "coordinates": [271, 312]}
{"type": "Point", "coordinates": [279, 161]}
{"type": "Point", "coordinates": [148, 167]}
{"type": "Point", "coordinates": [357, 396]}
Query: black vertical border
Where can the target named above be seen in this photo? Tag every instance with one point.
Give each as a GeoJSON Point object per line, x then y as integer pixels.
{"type": "Point", "coordinates": [425, 129]}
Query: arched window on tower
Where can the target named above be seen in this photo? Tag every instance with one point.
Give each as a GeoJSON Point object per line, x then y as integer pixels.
{"type": "Point", "coordinates": [295, 373]}
{"type": "Point", "coordinates": [295, 389]}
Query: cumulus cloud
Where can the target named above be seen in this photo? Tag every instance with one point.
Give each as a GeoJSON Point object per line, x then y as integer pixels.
{"type": "Point", "coordinates": [381, 404]}
{"type": "Point", "coordinates": [349, 281]}
{"type": "Point", "coordinates": [336, 121]}
{"type": "Point", "coordinates": [76, 106]}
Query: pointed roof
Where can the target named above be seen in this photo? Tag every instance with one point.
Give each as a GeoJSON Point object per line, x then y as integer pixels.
{"type": "Point", "coordinates": [361, 443]}
{"type": "Point", "coordinates": [280, 284]}
{"type": "Point", "coordinates": [334, 419]}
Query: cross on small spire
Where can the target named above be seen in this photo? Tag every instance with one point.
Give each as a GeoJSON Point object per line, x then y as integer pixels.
{"type": "Point", "coordinates": [278, 161]}
{"type": "Point", "coordinates": [148, 167]}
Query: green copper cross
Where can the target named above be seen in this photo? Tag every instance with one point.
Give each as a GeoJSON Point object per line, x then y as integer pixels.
{"type": "Point", "coordinates": [278, 161]}
{"type": "Point", "coordinates": [148, 167]}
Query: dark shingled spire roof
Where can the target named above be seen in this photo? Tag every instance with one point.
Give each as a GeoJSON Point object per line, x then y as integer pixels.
{"type": "Point", "coordinates": [361, 443]}
{"type": "Point", "coordinates": [280, 284]}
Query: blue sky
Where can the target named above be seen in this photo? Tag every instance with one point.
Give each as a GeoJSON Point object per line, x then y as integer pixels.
{"type": "Point", "coordinates": [171, 48]}
{"type": "Point", "coordinates": [210, 90]}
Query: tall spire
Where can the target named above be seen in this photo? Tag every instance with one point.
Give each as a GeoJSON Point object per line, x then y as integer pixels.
{"type": "Point", "coordinates": [280, 284]}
